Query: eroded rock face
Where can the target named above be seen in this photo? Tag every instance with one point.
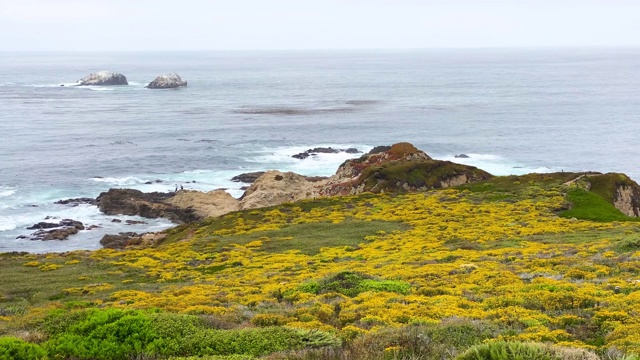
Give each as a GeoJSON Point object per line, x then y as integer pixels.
{"type": "Point", "coordinates": [627, 200]}
{"type": "Point", "coordinates": [103, 78]}
{"type": "Point", "coordinates": [205, 204]}
{"type": "Point", "coordinates": [324, 150]}
{"type": "Point", "coordinates": [167, 81]}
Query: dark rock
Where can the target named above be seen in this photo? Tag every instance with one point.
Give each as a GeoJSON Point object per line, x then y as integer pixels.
{"type": "Point", "coordinates": [248, 178]}
{"type": "Point", "coordinates": [103, 78]}
{"type": "Point", "coordinates": [462, 156]}
{"type": "Point", "coordinates": [22, 237]}
{"type": "Point", "coordinates": [379, 149]}
{"type": "Point", "coordinates": [116, 221]}
{"type": "Point", "coordinates": [244, 188]}
{"type": "Point", "coordinates": [148, 183]}
{"type": "Point", "coordinates": [76, 201]}
{"type": "Point", "coordinates": [93, 227]}
{"type": "Point", "coordinates": [43, 225]}
{"type": "Point", "coordinates": [167, 81]}
{"type": "Point", "coordinates": [278, 178]}
{"type": "Point", "coordinates": [134, 222]}
{"type": "Point", "coordinates": [150, 205]}
{"type": "Point", "coordinates": [352, 151]}
{"type": "Point", "coordinates": [301, 156]}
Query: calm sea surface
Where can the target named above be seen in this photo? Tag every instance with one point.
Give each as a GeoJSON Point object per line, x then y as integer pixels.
{"type": "Point", "coordinates": [512, 111]}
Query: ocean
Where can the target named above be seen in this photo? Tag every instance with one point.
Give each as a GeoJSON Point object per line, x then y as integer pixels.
{"type": "Point", "coordinates": [513, 111]}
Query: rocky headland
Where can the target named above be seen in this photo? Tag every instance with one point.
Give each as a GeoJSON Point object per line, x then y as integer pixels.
{"type": "Point", "coordinates": [400, 168]}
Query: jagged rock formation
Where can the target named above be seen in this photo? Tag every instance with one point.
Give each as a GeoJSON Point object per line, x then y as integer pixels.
{"type": "Point", "coordinates": [103, 78]}
{"type": "Point", "coordinates": [149, 205]}
{"type": "Point", "coordinates": [167, 81]}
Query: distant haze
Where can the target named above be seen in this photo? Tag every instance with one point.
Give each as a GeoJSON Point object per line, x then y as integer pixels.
{"type": "Point", "coordinates": [113, 25]}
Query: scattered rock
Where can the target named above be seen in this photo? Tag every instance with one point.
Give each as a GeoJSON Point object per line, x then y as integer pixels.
{"type": "Point", "coordinates": [60, 231]}
{"type": "Point", "coordinates": [103, 78]}
{"type": "Point", "coordinates": [116, 220]}
{"type": "Point", "coordinates": [93, 227]}
{"type": "Point", "coordinates": [76, 201]}
{"type": "Point", "coordinates": [462, 156]}
{"type": "Point", "coordinates": [248, 178]}
{"type": "Point", "coordinates": [167, 81]}
{"type": "Point", "coordinates": [324, 150]}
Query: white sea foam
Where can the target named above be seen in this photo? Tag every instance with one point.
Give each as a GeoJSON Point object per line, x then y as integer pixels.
{"type": "Point", "coordinates": [495, 164]}
{"type": "Point", "coordinates": [322, 164]}
{"type": "Point", "coordinates": [6, 191]}
{"type": "Point", "coordinates": [120, 181]}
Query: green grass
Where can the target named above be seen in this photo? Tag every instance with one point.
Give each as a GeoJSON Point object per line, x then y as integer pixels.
{"type": "Point", "coordinates": [588, 205]}
{"type": "Point", "coordinates": [309, 238]}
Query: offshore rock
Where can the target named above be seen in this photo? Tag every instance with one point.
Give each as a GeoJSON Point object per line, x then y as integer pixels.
{"type": "Point", "coordinates": [248, 178]}
{"type": "Point", "coordinates": [103, 78]}
{"type": "Point", "coordinates": [167, 81]}
{"type": "Point", "coordinates": [60, 231]}
{"type": "Point", "coordinates": [324, 150]}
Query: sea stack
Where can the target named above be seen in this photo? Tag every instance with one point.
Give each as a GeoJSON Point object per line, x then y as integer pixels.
{"type": "Point", "coordinates": [103, 78]}
{"type": "Point", "coordinates": [167, 81]}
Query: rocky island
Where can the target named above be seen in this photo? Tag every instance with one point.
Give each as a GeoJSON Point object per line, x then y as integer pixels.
{"type": "Point", "coordinates": [103, 78]}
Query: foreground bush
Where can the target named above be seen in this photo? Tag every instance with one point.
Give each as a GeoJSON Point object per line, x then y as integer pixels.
{"type": "Point", "coordinates": [502, 350]}
{"type": "Point", "coordinates": [115, 334]}
{"type": "Point", "coordinates": [14, 349]}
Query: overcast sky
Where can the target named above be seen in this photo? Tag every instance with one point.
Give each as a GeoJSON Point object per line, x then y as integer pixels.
{"type": "Point", "coordinates": [76, 25]}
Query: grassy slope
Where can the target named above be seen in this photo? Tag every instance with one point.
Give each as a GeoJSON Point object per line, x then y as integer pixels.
{"type": "Point", "coordinates": [494, 252]}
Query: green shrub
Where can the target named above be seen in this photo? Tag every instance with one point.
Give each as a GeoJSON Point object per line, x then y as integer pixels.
{"type": "Point", "coordinates": [14, 349]}
{"type": "Point", "coordinates": [351, 284]}
{"type": "Point", "coordinates": [502, 350]}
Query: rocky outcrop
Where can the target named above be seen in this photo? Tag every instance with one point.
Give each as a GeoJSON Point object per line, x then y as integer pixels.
{"type": "Point", "coordinates": [205, 204]}
{"type": "Point", "coordinates": [103, 78]}
{"type": "Point", "coordinates": [167, 81]}
{"type": "Point", "coordinates": [149, 205]}
{"type": "Point", "coordinates": [126, 239]}
{"type": "Point", "coordinates": [275, 187]}
{"type": "Point", "coordinates": [324, 150]}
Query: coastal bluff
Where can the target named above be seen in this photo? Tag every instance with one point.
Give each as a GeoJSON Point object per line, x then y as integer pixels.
{"type": "Point", "coordinates": [397, 169]}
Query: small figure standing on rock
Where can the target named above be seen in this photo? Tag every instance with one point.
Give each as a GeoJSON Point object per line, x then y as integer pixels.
{"type": "Point", "coordinates": [176, 190]}
{"type": "Point", "coordinates": [181, 188]}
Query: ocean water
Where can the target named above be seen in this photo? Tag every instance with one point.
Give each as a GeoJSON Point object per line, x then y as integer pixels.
{"type": "Point", "coordinates": [513, 111]}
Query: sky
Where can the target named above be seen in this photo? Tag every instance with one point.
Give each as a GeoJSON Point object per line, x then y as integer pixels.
{"type": "Point", "coordinates": [181, 25]}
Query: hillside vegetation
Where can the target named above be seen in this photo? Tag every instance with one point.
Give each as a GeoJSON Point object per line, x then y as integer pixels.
{"type": "Point", "coordinates": [522, 267]}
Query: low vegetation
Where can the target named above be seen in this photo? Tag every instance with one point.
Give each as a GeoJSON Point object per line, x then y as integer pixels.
{"type": "Point", "coordinates": [510, 268]}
